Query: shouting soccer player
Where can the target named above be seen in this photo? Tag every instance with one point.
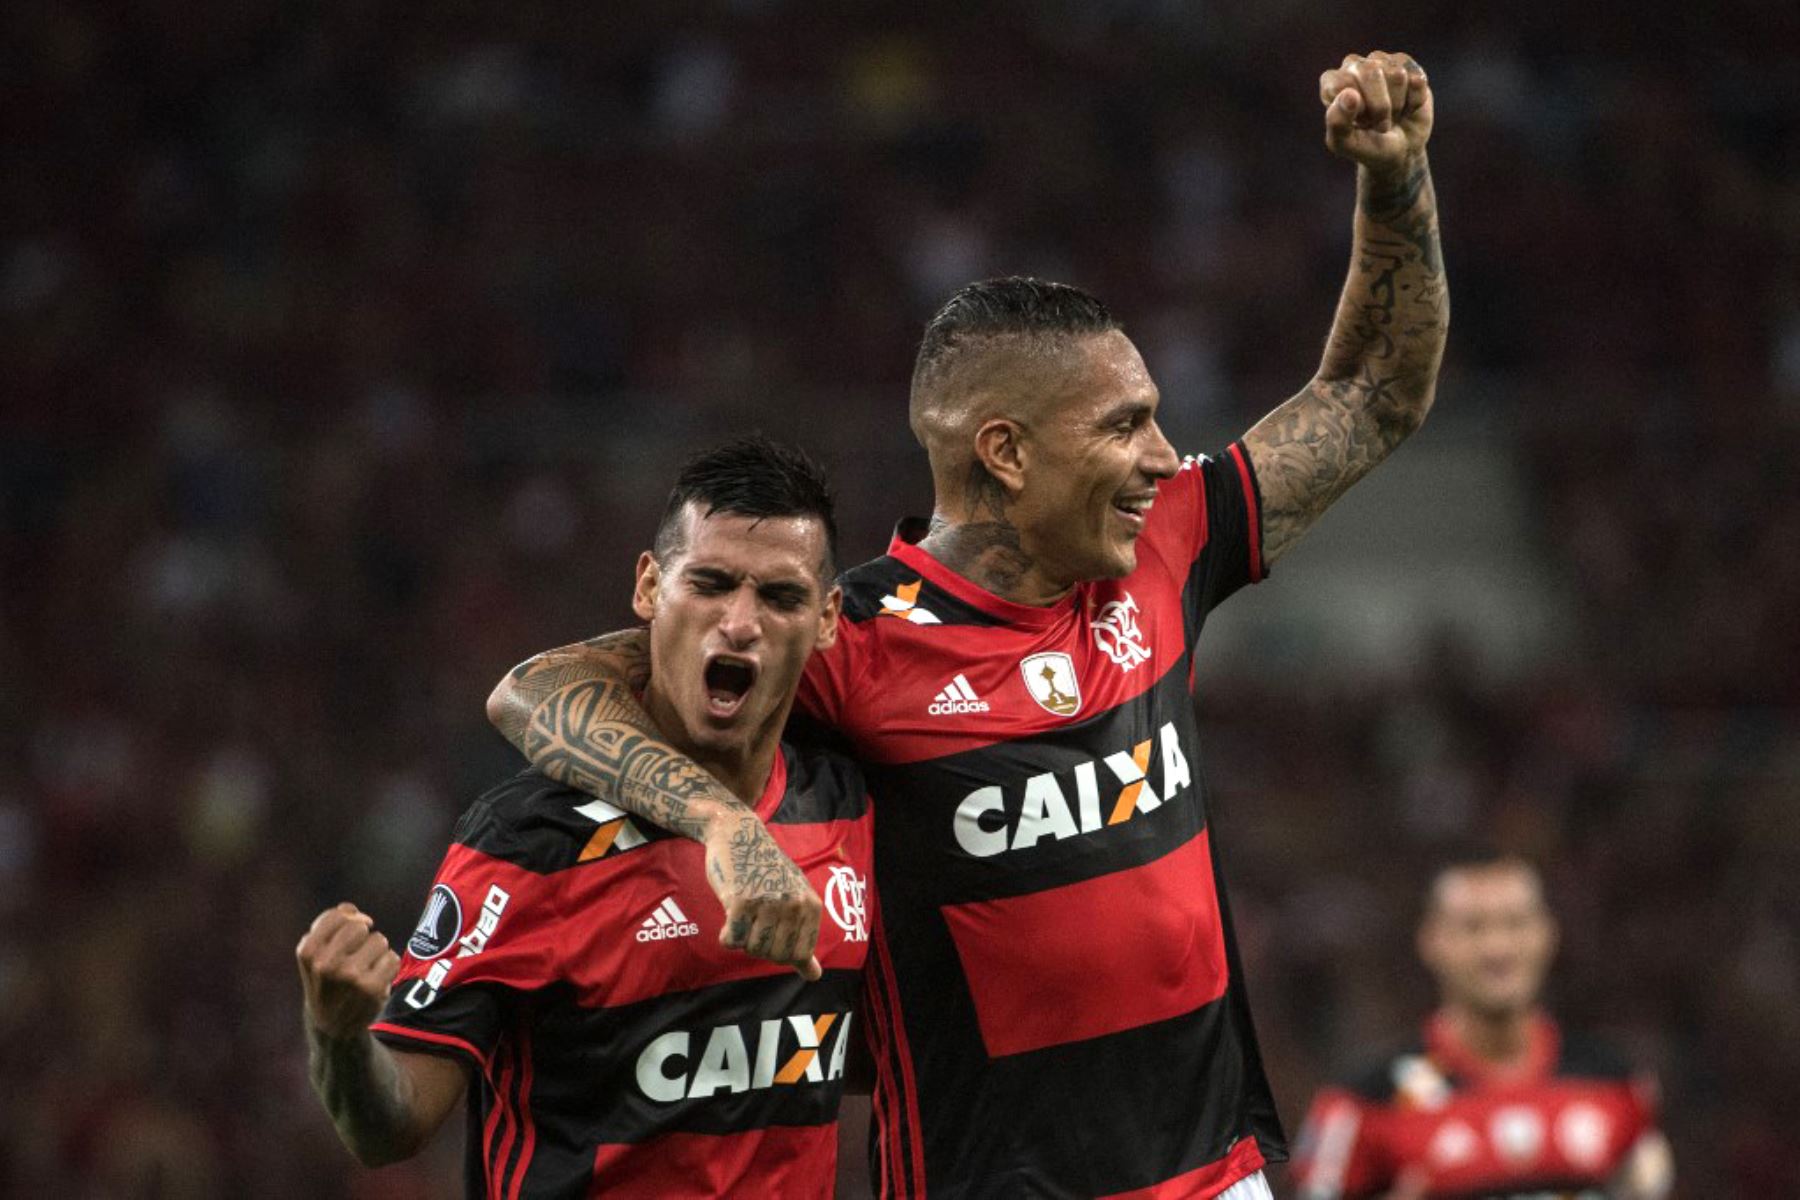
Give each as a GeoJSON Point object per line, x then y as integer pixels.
{"type": "Point", "coordinates": [1495, 1100]}
{"type": "Point", "coordinates": [569, 959]}
{"type": "Point", "coordinates": [1054, 998]}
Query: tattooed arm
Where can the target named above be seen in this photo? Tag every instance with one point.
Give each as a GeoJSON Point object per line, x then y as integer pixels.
{"type": "Point", "coordinates": [1379, 373]}
{"type": "Point", "coordinates": [574, 713]}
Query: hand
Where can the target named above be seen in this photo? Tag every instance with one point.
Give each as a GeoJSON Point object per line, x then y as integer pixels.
{"type": "Point", "coordinates": [1377, 109]}
{"type": "Point", "coordinates": [346, 971]}
{"type": "Point", "coordinates": [770, 910]}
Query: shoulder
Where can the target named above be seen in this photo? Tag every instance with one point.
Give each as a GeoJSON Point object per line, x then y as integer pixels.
{"type": "Point", "coordinates": [542, 826]}
{"type": "Point", "coordinates": [823, 784]}
{"type": "Point", "coordinates": [1379, 1078]}
{"type": "Point", "coordinates": [893, 591]}
{"type": "Point", "coordinates": [1589, 1056]}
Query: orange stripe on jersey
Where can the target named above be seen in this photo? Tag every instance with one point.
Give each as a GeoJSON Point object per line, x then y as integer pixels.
{"type": "Point", "coordinates": [602, 840]}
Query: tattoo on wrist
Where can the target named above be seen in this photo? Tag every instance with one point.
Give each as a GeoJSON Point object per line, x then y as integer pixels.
{"type": "Point", "coordinates": [1384, 197]}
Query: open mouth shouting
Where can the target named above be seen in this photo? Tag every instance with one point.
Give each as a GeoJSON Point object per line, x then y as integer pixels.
{"type": "Point", "coordinates": [729, 678]}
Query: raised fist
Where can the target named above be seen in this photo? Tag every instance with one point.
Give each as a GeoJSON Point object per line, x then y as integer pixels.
{"type": "Point", "coordinates": [1377, 109]}
{"type": "Point", "coordinates": [346, 971]}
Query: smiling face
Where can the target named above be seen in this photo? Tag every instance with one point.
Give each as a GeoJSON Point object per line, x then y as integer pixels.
{"type": "Point", "coordinates": [1489, 938]}
{"type": "Point", "coordinates": [734, 611]}
{"type": "Point", "coordinates": [1091, 464]}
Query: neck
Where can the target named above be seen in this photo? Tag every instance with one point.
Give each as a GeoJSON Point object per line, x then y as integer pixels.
{"type": "Point", "coordinates": [988, 551]}
{"type": "Point", "coordinates": [743, 772]}
{"type": "Point", "coordinates": [1498, 1038]}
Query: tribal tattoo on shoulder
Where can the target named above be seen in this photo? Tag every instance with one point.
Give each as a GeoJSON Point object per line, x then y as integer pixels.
{"type": "Point", "coordinates": [1379, 372]}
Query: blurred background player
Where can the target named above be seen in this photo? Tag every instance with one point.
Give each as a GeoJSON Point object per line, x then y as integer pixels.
{"type": "Point", "coordinates": [570, 961]}
{"type": "Point", "coordinates": [1495, 1100]}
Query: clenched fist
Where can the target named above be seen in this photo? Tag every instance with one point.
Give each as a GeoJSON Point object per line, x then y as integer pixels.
{"type": "Point", "coordinates": [770, 910]}
{"type": "Point", "coordinates": [346, 971]}
{"type": "Point", "coordinates": [1377, 109]}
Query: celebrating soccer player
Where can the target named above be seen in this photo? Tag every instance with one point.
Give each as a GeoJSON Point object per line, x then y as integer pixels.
{"type": "Point", "coordinates": [570, 959]}
{"type": "Point", "coordinates": [1054, 997]}
{"type": "Point", "coordinates": [1495, 1099]}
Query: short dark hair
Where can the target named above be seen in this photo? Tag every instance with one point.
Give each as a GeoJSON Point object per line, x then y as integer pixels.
{"type": "Point", "coordinates": [750, 477]}
{"type": "Point", "coordinates": [1479, 856]}
{"type": "Point", "coordinates": [1016, 304]}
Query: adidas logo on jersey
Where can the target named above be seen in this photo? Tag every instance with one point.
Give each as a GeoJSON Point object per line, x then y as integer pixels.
{"type": "Point", "coordinates": [957, 697]}
{"type": "Point", "coordinates": [668, 921]}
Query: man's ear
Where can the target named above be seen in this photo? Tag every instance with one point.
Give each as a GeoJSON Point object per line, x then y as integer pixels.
{"type": "Point", "coordinates": [1000, 449]}
{"type": "Point", "coordinates": [649, 579]}
{"type": "Point", "coordinates": [828, 619]}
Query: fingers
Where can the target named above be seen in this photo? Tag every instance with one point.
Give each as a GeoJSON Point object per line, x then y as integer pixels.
{"type": "Point", "coordinates": [780, 929]}
{"type": "Point", "coordinates": [346, 970]}
{"type": "Point", "coordinates": [1372, 81]}
{"type": "Point", "coordinates": [335, 933]}
{"type": "Point", "coordinates": [1388, 88]}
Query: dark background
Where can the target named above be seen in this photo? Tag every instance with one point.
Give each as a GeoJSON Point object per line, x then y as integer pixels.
{"type": "Point", "coordinates": [347, 349]}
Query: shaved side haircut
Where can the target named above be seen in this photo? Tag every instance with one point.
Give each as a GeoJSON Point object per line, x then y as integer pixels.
{"type": "Point", "coordinates": [993, 343]}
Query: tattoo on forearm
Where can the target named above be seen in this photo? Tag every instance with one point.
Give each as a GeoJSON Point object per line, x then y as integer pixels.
{"type": "Point", "coordinates": [365, 1092]}
{"type": "Point", "coordinates": [591, 733]}
{"type": "Point", "coordinates": [1379, 372]}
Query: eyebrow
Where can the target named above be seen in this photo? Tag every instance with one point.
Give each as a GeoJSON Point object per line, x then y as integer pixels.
{"type": "Point", "coordinates": [1124, 409]}
{"type": "Point", "coordinates": [775, 587]}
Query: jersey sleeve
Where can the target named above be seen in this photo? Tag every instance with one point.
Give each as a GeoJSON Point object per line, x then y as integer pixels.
{"type": "Point", "coordinates": [486, 937]}
{"type": "Point", "coordinates": [1207, 527]}
{"type": "Point", "coordinates": [1338, 1155]}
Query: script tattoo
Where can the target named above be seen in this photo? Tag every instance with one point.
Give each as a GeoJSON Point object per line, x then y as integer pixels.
{"type": "Point", "coordinates": [1379, 373]}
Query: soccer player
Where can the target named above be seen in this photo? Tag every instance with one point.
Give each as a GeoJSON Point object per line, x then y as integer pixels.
{"type": "Point", "coordinates": [1494, 1100]}
{"type": "Point", "coordinates": [1054, 999]}
{"type": "Point", "coordinates": [569, 962]}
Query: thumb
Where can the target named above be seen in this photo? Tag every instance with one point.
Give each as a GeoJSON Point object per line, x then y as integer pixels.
{"type": "Point", "coordinates": [810, 970]}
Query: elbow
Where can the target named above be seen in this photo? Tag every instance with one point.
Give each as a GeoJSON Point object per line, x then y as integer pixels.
{"type": "Point", "coordinates": [499, 701]}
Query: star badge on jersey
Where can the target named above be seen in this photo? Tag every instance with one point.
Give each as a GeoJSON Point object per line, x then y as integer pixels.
{"type": "Point", "coordinates": [1050, 678]}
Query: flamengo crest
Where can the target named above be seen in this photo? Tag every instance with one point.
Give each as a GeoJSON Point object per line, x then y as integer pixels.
{"type": "Point", "coordinates": [1116, 632]}
{"type": "Point", "coordinates": [846, 901]}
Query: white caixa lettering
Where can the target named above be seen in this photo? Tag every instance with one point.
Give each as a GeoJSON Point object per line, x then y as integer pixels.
{"type": "Point", "coordinates": [982, 828]}
{"type": "Point", "coordinates": [743, 1058]}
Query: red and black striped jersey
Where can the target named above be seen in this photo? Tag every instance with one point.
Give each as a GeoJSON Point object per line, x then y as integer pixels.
{"type": "Point", "coordinates": [570, 955]}
{"type": "Point", "coordinates": [1054, 999]}
{"type": "Point", "coordinates": [1559, 1124]}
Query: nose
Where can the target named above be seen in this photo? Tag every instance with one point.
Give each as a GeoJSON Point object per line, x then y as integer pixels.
{"type": "Point", "coordinates": [741, 620]}
{"type": "Point", "coordinates": [1159, 460]}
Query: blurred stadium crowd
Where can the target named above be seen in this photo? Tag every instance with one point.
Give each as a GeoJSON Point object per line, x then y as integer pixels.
{"type": "Point", "coordinates": [344, 358]}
